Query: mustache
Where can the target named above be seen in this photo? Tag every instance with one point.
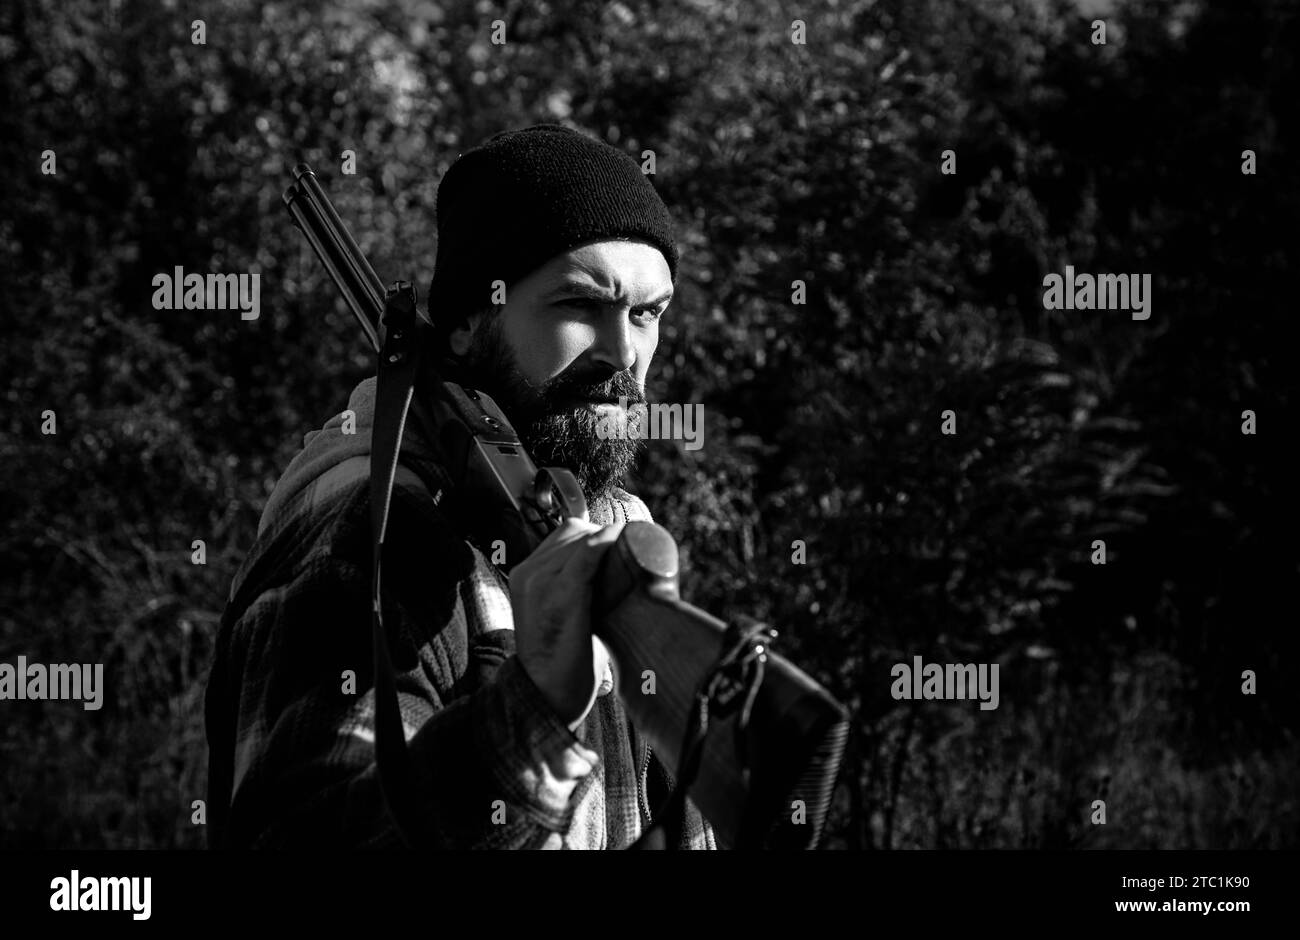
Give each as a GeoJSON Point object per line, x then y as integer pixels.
{"type": "Point", "coordinates": [593, 386]}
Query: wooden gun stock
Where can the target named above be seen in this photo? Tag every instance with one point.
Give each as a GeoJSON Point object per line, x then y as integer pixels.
{"type": "Point", "coordinates": [797, 732]}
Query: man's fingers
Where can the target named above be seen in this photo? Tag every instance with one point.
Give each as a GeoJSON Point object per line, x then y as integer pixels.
{"type": "Point", "coordinates": [584, 557]}
{"type": "Point", "coordinates": [569, 531]}
{"type": "Point", "coordinates": [571, 528]}
{"type": "Point", "coordinates": [572, 553]}
{"type": "Point", "coordinates": [602, 666]}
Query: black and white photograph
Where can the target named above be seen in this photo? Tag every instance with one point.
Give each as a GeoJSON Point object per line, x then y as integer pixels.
{"type": "Point", "coordinates": [849, 427]}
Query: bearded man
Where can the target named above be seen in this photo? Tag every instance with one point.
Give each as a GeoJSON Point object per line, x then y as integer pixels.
{"type": "Point", "coordinates": [514, 738]}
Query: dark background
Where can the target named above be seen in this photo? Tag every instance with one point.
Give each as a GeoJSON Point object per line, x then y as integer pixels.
{"type": "Point", "coordinates": [780, 162]}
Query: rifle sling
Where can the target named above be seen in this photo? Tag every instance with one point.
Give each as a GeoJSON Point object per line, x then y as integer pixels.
{"type": "Point", "coordinates": [399, 361]}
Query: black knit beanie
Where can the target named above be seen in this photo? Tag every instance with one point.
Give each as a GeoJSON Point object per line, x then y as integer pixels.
{"type": "Point", "coordinates": [513, 203]}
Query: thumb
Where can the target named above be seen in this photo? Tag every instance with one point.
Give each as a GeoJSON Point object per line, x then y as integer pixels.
{"type": "Point", "coordinates": [601, 665]}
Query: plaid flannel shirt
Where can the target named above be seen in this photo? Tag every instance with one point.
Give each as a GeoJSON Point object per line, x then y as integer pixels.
{"type": "Point", "coordinates": [291, 743]}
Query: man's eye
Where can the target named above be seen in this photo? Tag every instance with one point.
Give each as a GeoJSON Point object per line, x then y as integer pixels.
{"type": "Point", "coordinates": [651, 313]}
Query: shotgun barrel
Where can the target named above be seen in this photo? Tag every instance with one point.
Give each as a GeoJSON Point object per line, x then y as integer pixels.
{"type": "Point", "coordinates": [337, 250]}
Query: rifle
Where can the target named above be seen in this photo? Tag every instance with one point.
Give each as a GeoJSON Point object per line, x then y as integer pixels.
{"type": "Point", "coordinates": [755, 741]}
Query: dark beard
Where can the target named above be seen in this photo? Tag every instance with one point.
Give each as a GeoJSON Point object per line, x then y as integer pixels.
{"type": "Point", "coordinates": [555, 421]}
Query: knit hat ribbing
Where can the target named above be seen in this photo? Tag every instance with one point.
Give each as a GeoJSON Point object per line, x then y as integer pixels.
{"type": "Point", "coordinates": [524, 196]}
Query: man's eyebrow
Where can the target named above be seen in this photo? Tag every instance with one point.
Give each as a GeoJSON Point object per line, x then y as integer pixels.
{"type": "Point", "coordinates": [589, 291]}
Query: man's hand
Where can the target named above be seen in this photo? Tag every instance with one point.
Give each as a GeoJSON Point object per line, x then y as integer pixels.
{"type": "Point", "coordinates": [551, 592]}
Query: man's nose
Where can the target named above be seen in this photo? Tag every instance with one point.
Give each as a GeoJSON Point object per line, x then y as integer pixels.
{"type": "Point", "coordinates": [614, 346]}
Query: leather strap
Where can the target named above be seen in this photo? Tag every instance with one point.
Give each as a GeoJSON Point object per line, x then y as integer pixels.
{"type": "Point", "coordinates": [399, 362]}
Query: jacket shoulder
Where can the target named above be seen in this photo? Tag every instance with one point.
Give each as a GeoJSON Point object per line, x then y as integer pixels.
{"type": "Point", "coordinates": [332, 533]}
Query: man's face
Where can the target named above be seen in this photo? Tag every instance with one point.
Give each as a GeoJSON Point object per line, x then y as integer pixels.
{"type": "Point", "coordinates": [574, 336]}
